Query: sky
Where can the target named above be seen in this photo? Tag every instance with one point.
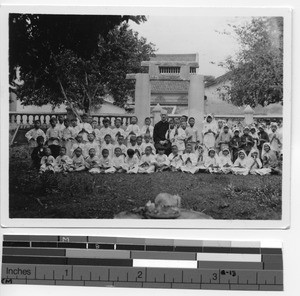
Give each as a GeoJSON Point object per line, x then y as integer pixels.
{"type": "Point", "coordinates": [193, 34]}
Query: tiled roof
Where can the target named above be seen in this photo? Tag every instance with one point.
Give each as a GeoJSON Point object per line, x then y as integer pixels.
{"type": "Point", "coordinates": [219, 79]}
{"type": "Point", "coordinates": [167, 86]}
{"type": "Point", "coordinates": [175, 57]}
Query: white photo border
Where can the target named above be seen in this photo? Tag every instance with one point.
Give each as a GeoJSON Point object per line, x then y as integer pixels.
{"type": "Point", "coordinates": [284, 223]}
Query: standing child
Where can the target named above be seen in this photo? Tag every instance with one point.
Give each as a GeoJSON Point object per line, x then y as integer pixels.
{"type": "Point", "coordinates": [68, 136]}
{"type": "Point", "coordinates": [241, 165]}
{"type": "Point", "coordinates": [161, 160]}
{"type": "Point", "coordinates": [212, 161]}
{"type": "Point", "coordinates": [74, 127]}
{"type": "Point", "coordinates": [118, 161]}
{"type": "Point", "coordinates": [147, 128]}
{"type": "Point", "coordinates": [38, 153]}
{"type": "Point", "coordinates": [117, 131]}
{"type": "Point", "coordinates": [60, 123]}
{"type": "Point", "coordinates": [209, 132]}
{"type": "Point", "coordinates": [105, 130]}
{"type": "Point", "coordinates": [131, 162]}
{"type": "Point", "coordinates": [84, 127]}
{"type": "Point", "coordinates": [63, 161]}
{"type": "Point", "coordinates": [275, 139]}
{"type": "Point", "coordinates": [175, 159]}
{"type": "Point", "coordinates": [180, 136]}
{"type": "Point", "coordinates": [107, 145]}
{"type": "Point", "coordinates": [254, 135]}
{"type": "Point", "coordinates": [53, 136]}
{"type": "Point", "coordinates": [262, 138]}
{"type": "Point", "coordinates": [192, 133]}
{"type": "Point", "coordinates": [92, 162]}
{"type": "Point", "coordinates": [133, 128]}
{"type": "Point", "coordinates": [170, 134]}
{"type": "Point", "coordinates": [247, 142]}
{"type": "Point", "coordinates": [234, 144]}
{"type": "Point", "coordinates": [147, 162]}
{"type": "Point", "coordinates": [34, 133]}
{"type": "Point", "coordinates": [96, 131]}
{"type": "Point", "coordinates": [223, 139]}
{"type": "Point", "coordinates": [78, 162]}
{"type": "Point", "coordinates": [225, 161]}
{"type": "Point", "coordinates": [47, 161]}
{"type": "Point", "coordinates": [189, 160]}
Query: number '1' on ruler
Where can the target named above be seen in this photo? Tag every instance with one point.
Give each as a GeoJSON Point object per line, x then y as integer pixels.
{"type": "Point", "coordinates": [141, 263]}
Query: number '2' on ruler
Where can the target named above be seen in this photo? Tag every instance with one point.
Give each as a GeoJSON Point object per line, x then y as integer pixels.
{"type": "Point", "coordinates": [141, 263]}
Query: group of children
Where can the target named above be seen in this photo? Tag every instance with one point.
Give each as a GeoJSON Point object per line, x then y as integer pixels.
{"type": "Point", "coordinates": [68, 146]}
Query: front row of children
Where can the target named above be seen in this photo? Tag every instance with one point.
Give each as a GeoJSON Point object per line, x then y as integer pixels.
{"type": "Point", "coordinates": [189, 162]}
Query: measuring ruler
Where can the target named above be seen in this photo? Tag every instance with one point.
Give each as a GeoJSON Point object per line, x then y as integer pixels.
{"type": "Point", "coordinates": [141, 263]}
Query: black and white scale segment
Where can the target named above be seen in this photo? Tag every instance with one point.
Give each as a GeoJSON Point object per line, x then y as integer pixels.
{"type": "Point", "coordinates": [141, 263]}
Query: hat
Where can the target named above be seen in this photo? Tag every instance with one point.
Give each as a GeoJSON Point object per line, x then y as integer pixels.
{"type": "Point", "coordinates": [246, 128]}
{"type": "Point", "coordinates": [163, 112]}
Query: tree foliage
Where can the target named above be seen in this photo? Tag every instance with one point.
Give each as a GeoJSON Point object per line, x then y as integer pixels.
{"type": "Point", "coordinates": [75, 58]}
{"type": "Point", "coordinates": [256, 72]}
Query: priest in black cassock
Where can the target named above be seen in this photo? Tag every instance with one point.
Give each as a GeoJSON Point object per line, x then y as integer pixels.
{"type": "Point", "coordinates": [159, 133]}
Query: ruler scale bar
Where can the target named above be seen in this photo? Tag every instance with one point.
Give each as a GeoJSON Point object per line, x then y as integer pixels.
{"type": "Point", "coordinates": [141, 262]}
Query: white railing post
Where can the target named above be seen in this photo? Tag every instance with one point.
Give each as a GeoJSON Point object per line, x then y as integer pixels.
{"type": "Point", "coordinates": [249, 112]}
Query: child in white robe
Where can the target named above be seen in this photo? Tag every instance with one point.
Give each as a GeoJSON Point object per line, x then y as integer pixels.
{"type": "Point", "coordinates": [96, 131]}
{"type": "Point", "coordinates": [74, 127]}
{"type": "Point", "coordinates": [147, 143]}
{"type": "Point", "coordinates": [32, 134]}
{"type": "Point", "coordinates": [200, 158]}
{"type": "Point", "coordinates": [47, 162]}
{"type": "Point", "coordinates": [105, 130]}
{"type": "Point", "coordinates": [78, 144]}
{"type": "Point", "coordinates": [134, 146]}
{"type": "Point", "coordinates": [105, 162]}
{"type": "Point", "coordinates": [92, 162]}
{"type": "Point", "coordinates": [180, 137]}
{"type": "Point", "coordinates": [78, 162]}
{"type": "Point", "coordinates": [91, 143]}
{"type": "Point", "coordinates": [84, 127]}
{"type": "Point", "coordinates": [209, 132]}
{"type": "Point", "coordinates": [241, 164]}
{"type": "Point", "coordinates": [147, 128]}
{"type": "Point", "coordinates": [107, 145]}
{"type": "Point", "coordinates": [175, 159]}
{"type": "Point", "coordinates": [63, 161]}
{"type": "Point", "coordinates": [212, 161]}
{"type": "Point", "coordinates": [275, 139]}
{"type": "Point", "coordinates": [133, 128]}
{"type": "Point", "coordinates": [120, 144]}
{"type": "Point", "coordinates": [189, 160]}
{"type": "Point", "coordinates": [162, 162]}
{"type": "Point", "coordinates": [118, 161]}
{"type": "Point", "coordinates": [147, 162]}
{"type": "Point", "coordinates": [255, 164]}
{"type": "Point", "coordinates": [67, 137]}
{"type": "Point", "coordinates": [225, 161]}
{"type": "Point", "coordinates": [117, 131]}
{"type": "Point", "coordinates": [131, 162]}
{"type": "Point", "coordinates": [53, 136]}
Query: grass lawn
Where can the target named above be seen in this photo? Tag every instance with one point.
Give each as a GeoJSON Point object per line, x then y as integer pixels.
{"type": "Point", "coordinates": [81, 195]}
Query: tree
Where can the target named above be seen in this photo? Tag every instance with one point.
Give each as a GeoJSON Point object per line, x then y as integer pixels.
{"type": "Point", "coordinates": [60, 56]}
{"type": "Point", "coordinates": [256, 72]}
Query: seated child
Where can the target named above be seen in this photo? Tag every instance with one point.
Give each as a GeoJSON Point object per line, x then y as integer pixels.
{"type": "Point", "coordinates": [134, 146]}
{"type": "Point", "coordinates": [225, 161]}
{"type": "Point", "coordinates": [131, 162]}
{"type": "Point", "coordinates": [162, 162]}
{"type": "Point", "coordinates": [78, 162]}
{"type": "Point", "coordinates": [32, 134]}
{"type": "Point", "coordinates": [68, 136]}
{"type": "Point", "coordinates": [118, 161]}
{"type": "Point", "coordinates": [120, 144]}
{"type": "Point", "coordinates": [78, 144]}
{"type": "Point", "coordinates": [147, 162]}
{"type": "Point", "coordinates": [175, 159]}
{"type": "Point", "coordinates": [47, 161]}
{"type": "Point", "coordinates": [91, 143]}
{"type": "Point", "coordinates": [107, 145]}
{"type": "Point", "coordinates": [133, 128]}
{"type": "Point", "coordinates": [147, 128]}
{"type": "Point", "coordinates": [92, 162]}
{"type": "Point", "coordinates": [255, 164]}
{"type": "Point", "coordinates": [189, 160]}
{"type": "Point", "coordinates": [117, 131]}
{"type": "Point", "coordinates": [63, 161]}
{"type": "Point", "coordinates": [147, 143]}
{"type": "Point", "coordinates": [105, 130]}
{"type": "Point", "coordinates": [240, 166]}
{"type": "Point", "coordinates": [105, 162]}
{"type": "Point", "coordinates": [38, 152]}
{"type": "Point", "coordinates": [139, 142]}
{"type": "Point", "coordinates": [212, 161]}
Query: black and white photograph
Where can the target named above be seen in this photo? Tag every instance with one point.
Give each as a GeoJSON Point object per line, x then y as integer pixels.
{"type": "Point", "coordinates": [147, 116]}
